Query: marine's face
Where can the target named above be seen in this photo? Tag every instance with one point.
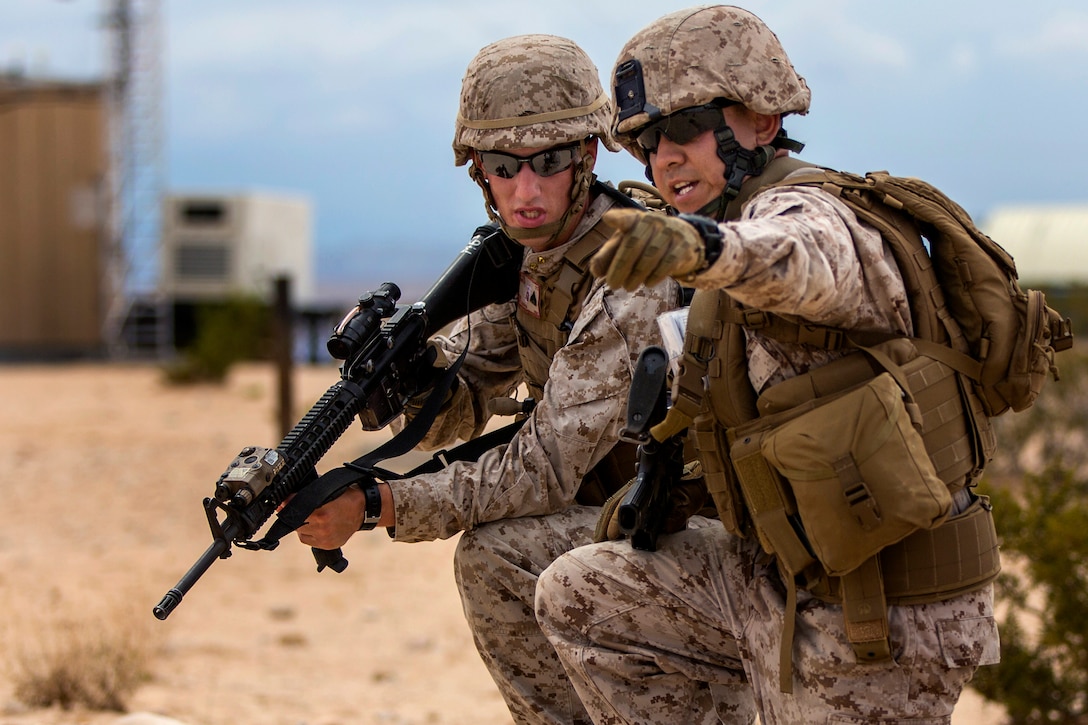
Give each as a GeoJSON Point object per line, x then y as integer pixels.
{"type": "Point", "coordinates": [691, 175]}
{"type": "Point", "coordinates": [524, 198]}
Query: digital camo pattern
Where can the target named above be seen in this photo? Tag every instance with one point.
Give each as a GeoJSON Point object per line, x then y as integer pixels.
{"type": "Point", "coordinates": [524, 76]}
{"type": "Point", "coordinates": [640, 634]}
{"type": "Point", "coordinates": [693, 56]}
{"type": "Point", "coordinates": [800, 251]}
{"type": "Point", "coordinates": [527, 487]}
{"type": "Point", "coordinates": [496, 566]}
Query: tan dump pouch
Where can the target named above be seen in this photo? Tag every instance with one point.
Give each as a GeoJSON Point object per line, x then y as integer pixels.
{"type": "Point", "coordinates": [837, 478]}
{"type": "Point", "coordinates": [859, 473]}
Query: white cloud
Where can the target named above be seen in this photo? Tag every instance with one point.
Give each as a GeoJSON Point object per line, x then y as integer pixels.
{"type": "Point", "coordinates": [963, 60]}
{"type": "Point", "coordinates": [852, 48]}
{"type": "Point", "coordinates": [1062, 35]}
{"type": "Point", "coordinates": [352, 101]}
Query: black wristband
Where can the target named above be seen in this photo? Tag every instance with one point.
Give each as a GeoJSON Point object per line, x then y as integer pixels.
{"type": "Point", "coordinates": [711, 234]}
{"type": "Point", "coordinates": [373, 506]}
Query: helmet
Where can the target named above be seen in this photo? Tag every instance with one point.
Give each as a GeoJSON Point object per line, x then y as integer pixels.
{"type": "Point", "coordinates": [530, 91]}
{"type": "Point", "coordinates": [694, 56]}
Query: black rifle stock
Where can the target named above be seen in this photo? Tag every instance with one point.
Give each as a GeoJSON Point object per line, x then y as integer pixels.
{"type": "Point", "coordinates": [642, 511]}
{"type": "Point", "coordinates": [384, 348]}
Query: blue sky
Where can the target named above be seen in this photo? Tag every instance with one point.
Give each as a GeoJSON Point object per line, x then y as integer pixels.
{"type": "Point", "coordinates": [351, 103]}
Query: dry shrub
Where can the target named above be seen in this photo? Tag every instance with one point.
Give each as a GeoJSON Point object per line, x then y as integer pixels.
{"type": "Point", "coordinates": [75, 655]}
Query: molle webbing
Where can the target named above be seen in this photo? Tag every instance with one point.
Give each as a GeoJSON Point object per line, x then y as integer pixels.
{"type": "Point", "coordinates": [562, 294]}
{"type": "Point", "coordinates": [957, 434]}
{"type": "Point", "coordinates": [703, 343]}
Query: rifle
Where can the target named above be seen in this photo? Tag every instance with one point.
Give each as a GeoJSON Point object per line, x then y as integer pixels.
{"type": "Point", "coordinates": [642, 511]}
{"type": "Point", "coordinates": [384, 349]}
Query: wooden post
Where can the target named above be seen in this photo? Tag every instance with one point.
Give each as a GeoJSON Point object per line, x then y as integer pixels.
{"type": "Point", "coordinates": [284, 352]}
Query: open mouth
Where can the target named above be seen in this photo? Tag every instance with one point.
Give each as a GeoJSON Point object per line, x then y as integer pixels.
{"type": "Point", "coordinates": [530, 218]}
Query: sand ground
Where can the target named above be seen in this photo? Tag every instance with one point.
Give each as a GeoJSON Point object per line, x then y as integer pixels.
{"type": "Point", "coordinates": [103, 472]}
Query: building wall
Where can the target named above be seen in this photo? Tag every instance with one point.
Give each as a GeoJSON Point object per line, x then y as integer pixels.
{"type": "Point", "coordinates": [1048, 241]}
{"type": "Point", "coordinates": [53, 166]}
{"type": "Point", "coordinates": [218, 245]}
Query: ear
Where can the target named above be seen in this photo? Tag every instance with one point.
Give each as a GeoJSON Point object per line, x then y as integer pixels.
{"type": "Point", "coordinates": [591, 150]}
{"type": "Point", "coordinates": [766, 127]}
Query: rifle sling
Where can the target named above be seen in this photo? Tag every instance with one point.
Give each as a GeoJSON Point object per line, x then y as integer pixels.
{"type": "Point", "coordinates": [333, 482]}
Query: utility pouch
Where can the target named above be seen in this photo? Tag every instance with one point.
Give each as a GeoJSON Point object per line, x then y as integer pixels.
{"type": "Point", "coordinates": [859, 473]}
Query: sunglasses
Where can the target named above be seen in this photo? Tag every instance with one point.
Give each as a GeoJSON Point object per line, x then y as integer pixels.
{"type": "Point", "coordinates": [683, 126]}
{"type": "Point", "coordinates": [543, 163]}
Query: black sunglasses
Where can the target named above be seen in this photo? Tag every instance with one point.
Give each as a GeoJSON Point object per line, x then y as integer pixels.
{"type": "Point", "coordinates": [683, 126]}
{"type": "Point", "coordinates": [543, 163]}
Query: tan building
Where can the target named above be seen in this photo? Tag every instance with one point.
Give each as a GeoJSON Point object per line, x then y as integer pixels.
{"type": "Point", "coordinates": [1050, 245]}
{"type": "Point", "coordinates": [1048, 241]}
{"type": "Point", "coordinates": [53, 179]}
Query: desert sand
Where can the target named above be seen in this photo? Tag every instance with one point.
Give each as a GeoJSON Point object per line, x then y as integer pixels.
{"type": "Point", "coordinates": [104, 469]}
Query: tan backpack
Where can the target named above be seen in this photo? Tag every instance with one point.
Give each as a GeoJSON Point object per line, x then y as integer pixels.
{"type": "Point", "coordinates": [964, 289]}
{"type": "Point", "coordinates": [968, 307]}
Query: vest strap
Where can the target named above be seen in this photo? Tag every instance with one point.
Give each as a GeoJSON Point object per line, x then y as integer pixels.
{"type": "Point", "coordinates": [865, 611]}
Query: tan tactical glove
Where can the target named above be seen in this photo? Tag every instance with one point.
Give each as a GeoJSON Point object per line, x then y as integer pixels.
{"type": "Point", "coordinates": [686, 498]}
{"type": "Point", "coordinates": [645, 248]}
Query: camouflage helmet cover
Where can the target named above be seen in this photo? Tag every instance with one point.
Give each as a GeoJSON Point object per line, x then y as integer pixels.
{"type": "Point", "coordinates": [689, 58]}
{"type": "Point", "coordinates": [530, 91]}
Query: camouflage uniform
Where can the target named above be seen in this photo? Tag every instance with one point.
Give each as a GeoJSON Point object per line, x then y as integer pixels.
{"type": "Point", "coordinates": [647, 624]}
{"type": "Point", "coordinates": [516, 503]}
{"type": "Point", "coordinates": [642, 633]}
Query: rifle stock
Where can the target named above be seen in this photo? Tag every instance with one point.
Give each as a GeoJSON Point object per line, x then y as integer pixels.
{"type": "Point", "coordinates": [383, 347]}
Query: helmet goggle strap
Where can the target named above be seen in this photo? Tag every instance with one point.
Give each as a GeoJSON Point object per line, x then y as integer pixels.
{"type": "Point", "coordinates": [739, 163]}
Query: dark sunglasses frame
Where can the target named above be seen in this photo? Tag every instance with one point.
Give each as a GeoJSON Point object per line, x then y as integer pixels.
{"type": "Point", "coordinates": [684, 126]}
{"type": "Point", "coordinates": [548, 162]}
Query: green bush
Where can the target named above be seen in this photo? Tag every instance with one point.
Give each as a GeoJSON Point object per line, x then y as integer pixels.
{"type": "Point", "coordinates": [1038, 484]}
{"type": "Point", "coordinates": [1043, 596]}
{"type": "Point", "coordinates": [226, 333]}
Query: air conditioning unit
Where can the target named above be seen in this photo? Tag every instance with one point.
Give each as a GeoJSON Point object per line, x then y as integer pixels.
{"type": "Point", "coordinates": [216, 246]}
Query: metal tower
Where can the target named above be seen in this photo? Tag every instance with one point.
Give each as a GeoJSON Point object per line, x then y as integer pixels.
{"type": "Point", "coordinates": [137, 319]}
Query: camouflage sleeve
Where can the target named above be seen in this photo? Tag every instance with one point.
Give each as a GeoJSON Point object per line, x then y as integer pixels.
{"type": "Point", "coordinates": [573, 426]}
{"type": "Point", "coordinates": [798, 250]}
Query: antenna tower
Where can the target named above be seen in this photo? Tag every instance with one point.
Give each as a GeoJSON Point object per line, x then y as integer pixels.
{"type": "Point", "coordinates": [137, 318]}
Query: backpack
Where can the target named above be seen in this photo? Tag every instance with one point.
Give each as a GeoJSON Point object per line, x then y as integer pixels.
{"type": "Point", "coordinates": [963, 287]}
{"type": "Point", "coordinates": [968, 308]}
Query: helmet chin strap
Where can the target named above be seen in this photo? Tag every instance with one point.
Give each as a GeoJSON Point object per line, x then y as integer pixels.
{"type": "Point", "coordinates": [579, 194]}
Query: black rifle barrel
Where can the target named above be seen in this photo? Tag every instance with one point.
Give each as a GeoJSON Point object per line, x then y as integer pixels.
{"type": "Point", "coordinates": [172, 598]}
